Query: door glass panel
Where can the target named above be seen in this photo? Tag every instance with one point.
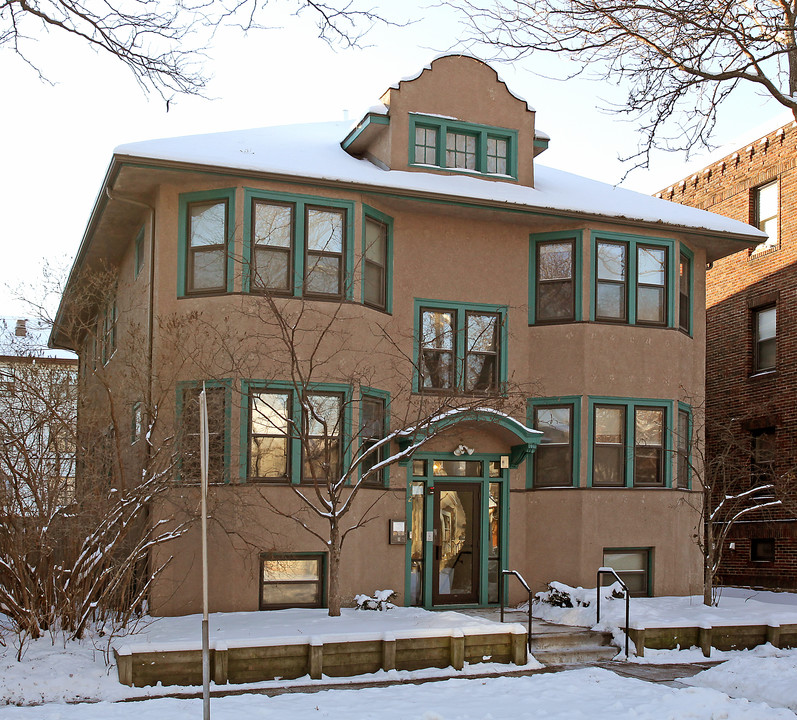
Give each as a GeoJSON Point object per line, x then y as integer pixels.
{"type": "Point", "coordinates": [457, 528]}
{"type": "Point", "coordinates": [457, 468]}
{"type": "Point", "coordinates": [494, 542]}
{"type": "Point", "coordinates": [416, 547]}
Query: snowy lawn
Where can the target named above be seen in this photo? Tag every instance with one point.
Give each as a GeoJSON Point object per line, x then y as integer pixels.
{"type": "Point", "coordinates": [589, 694]}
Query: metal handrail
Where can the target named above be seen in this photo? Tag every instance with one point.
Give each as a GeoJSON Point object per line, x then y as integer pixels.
{"type": "Point", "coordinates": [610, 571]}
{"type": "Point", "coordinates": [501, 596]}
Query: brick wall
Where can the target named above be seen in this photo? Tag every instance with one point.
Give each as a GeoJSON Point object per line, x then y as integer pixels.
{"type": "Point", "coordinates": [735, 286]}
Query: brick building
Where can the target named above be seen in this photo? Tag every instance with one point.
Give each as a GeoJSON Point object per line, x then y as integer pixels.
{"type": "Point", "coordinates": [751, 335]}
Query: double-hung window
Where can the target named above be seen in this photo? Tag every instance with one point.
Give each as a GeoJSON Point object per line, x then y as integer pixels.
{"type": "Point", "coordinates": [372, 429]}
{"type": "Point", "coordinates": [321, 430]}
{"type": "Point", "coordinates": [189, 437]}
{"type": "Point", "coordinates": [684, 448]}
{"type": "Point", "coordinates": [454, 145]}
{"type": "Point", "coordinates": [460, 348]}
{"type": "Point", "coordinates": [555, 287]}
{"type": "Point", "coordinates": [633, 280]}
{"type": "Point", "coordinates": [207, 246]}
{"type": "Point", "coordinates": [649, 429]}
{"type": "Point", "coordinates": [685, 293]}
{"type": "Point", "coordinates": [764, 341]}
{"type": "Point", "coordinates": [270, 425]}
{"type": "Point", "coordinates": [553, 458]}
{"type": "Point", "coordinates": [765, 208]}
{"type": "Point", "coordinates": [272, 245]}
{"type": "Point", "coordinates": [608, 453]}
{"type": "Point", "coordinates": [325, 237]}
{"type": "Point", "coordinates": [375, 262]}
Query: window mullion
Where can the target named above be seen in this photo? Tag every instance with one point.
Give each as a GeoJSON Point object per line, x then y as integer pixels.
{"type": "Point", "coordinates": [630, 444]}
{"type": "Point", "coordinates": [300, 222]}
{"type": "Point", "coordinates": [632, 283]}
{"type": "Point", "coordinates": [460, 349]}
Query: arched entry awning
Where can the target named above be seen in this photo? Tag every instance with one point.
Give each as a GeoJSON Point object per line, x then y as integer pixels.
{"type": "Point", "coordinates": [525, 442]}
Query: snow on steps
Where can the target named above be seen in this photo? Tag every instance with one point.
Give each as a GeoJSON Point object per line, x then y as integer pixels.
{"type": "Point", "coordinates": [572, 646]}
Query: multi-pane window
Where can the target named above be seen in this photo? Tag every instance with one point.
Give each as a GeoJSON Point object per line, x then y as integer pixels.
{"type": "Point", "coordinates": [608, 452]}
{"type": "Point", "coordinates": [685, 294]}
{"type": "Point", "coordinates": [272, 245]}
{"type": "Point", "coordinates": [325, 237]}
{"type": "Point", "coordinates": [764, 328]}
{"type": "Point", "coordinates": [426, 145]}
{"type": "Point", "coordinates": [762, 550]}
{"type": "Point", "coordinates": [649, 446]}
{"type": "Point", "coordinates": [497, 155]}
{"type": "Point", "coordinates": [206, 265]}
{"type": "Point", "coordinates": [555, 287]}
{"type": "Point", "coordinates": [553, 458]}
{"type": "Point", "coordinates": [438, 348]}
{"type": "Point", "coordinates": [481, 351]}
{"type": "Point", "coordinates": [269, 435]}
{"type": "Point", "coordinates": [372, 429]}
{"type": "Point", "coordinates": [460, 151]}
{"type": "Point", "coordinates": [288, 581]}
{"type": "Point", "coordinates": [633, 567]}
{"type": "Point", "coordinates": [612, 271]}
{"type": "Point", "coordinates": [321, 423]}
{"type": "Point", "coordinates": [189, 445]}
{"type": "Point", "coordinates": [651, 300]}
{"type": "Point", "coordinates": [683, 445]}
{"type": "Point", "coordinates": [766, 201]}
{"type": "Point", "coordinates": [375, 263]}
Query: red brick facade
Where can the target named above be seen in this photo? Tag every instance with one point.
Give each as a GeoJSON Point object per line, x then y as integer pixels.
{"type": "Point", "coordinates": [736, 287]}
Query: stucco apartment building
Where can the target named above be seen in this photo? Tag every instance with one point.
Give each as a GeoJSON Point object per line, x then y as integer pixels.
{"type": "Point", "coordinates": [751, 376]}
{"type": "Point", "coordinates": [429, 262]}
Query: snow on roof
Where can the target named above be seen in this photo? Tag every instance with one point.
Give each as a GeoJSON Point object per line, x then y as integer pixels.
{"type": "Point", "coordinates": [32, 340]}
{"type": "Point", "coordinates": [314, 151]}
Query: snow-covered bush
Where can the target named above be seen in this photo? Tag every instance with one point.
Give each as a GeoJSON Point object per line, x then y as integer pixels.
{"type": "Point", "coordinates": [380, 600]}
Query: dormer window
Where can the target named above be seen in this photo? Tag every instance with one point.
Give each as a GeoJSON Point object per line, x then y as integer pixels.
{"type": "Point", "coordinates": [453, 145]}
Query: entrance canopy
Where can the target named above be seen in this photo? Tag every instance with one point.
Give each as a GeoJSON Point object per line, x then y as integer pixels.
{"type": "Point", "coordinates": [522, 440]}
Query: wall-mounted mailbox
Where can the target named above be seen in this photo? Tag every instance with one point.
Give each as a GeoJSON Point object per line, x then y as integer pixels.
{"type": "Point", "coordinates": [398, 532]}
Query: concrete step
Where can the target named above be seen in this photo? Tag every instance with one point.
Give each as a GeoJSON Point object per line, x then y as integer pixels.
{"type": "Point", "coordinates": [569, 638]}
{"type": "Point", "coordinates": [574, 654]}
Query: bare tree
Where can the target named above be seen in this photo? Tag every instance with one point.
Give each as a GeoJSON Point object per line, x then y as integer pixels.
{"type": "Point", "coordinates": [163, 44]}
{"type": "Point", "coordinates": [679, 58]}
{"type": "Point", "coordinates": [733, 488]}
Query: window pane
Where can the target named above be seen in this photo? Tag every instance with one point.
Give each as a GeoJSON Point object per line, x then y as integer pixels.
{"type": "Point", "coordinates": [766, 324]}
{"type": "Point", "coordinates": [206, 223]}
{"type": "Point", "coordinates": [375, 241]}
{"type": "Point", "coordinates": [552, 466]}
{"type": "Point", "coordinates": [481, 332]}
{"type": "Point", "coordinates": [647, 466]}
{"type": "Point", "coordinates": [437, 329]}
{"type": "Point", "coordinates": [684, 299]}
{"type": "Point", "coordinates": [289, 593]}
{"type": "Point", "coordinates": [649, 427]}
{"type": "Point", "coordinates": [273, 225]}
{"type": "Point", "coordinates": [609, 424]}
{"type": "Point", "coordinates": [555, 301]}
{"type": "Point", "coordinates": [554, 423]}
{"type": "Point", "coordinates": [290, 570]}
{"type": "Point", "coordinates": [437, 369]}
{"type": "Point", "coordinates": [611, 261]}
{"type": "Point", "coordinates": [426, 146]}
{"type": "Point", "coordinates": [207, 269]}
{"type": "Point", "coordinates": [271, 269]}
{"type": "Point", "coordinates": [480, 372]}
{"type": "Point", "coordinates": [322, 453]}
{"type": "Point", "coordinates": [609, 447]}
{"type": "Point", "coordinates": [626, 561]}
{"type": "Point", "coordinates": [767, 202]}
{"type": "Point", "coordinates": [372, 420]}
{"type": "Point", "coordinates": [609, 463]}
{"type": "Point", "coordinates": [323, 275]}
{"type": "Point", "coordinates": [269, 457]}
{"type": "Point", "coordinates": [325, 230]}
{"type": "Point", "coordinates": [269, 413]}
{"type": "Point", "coordinates": [460, 151]}
{"type": "Point", "coordinates": [611, 301]}
{"type": "Point", "coordinates": [555, 261]}
{"type": "Point", "coordinates": [325, 412]}
{"type": "Point", "coordinates": [651, 265]}
{"type": "Point", "coordinates": [457, 468]}
{"type": "Point", "coordinates": [374, 281]}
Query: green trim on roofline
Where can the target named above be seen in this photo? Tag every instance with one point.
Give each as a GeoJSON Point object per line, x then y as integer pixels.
{"type": "Point", "coordinates": [369, 119]}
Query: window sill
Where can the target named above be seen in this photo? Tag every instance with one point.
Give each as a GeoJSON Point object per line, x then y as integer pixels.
{"type": "Point", "coordinates": [763, 374]}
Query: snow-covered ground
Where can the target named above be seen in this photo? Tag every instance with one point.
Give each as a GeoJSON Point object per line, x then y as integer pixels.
{"type": "Point", "coordinates": [759, 684]}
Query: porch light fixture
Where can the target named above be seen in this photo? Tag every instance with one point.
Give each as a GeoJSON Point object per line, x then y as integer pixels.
{"type": "Point", "coordinates": [463, 450]}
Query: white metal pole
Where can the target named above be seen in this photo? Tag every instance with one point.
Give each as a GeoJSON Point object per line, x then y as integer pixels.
{"type": "Point", "coordinates": [203, 465]}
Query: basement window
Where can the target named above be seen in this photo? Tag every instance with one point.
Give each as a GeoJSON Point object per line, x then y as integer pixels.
{"type": "Point", "coordinates": [290, 580]}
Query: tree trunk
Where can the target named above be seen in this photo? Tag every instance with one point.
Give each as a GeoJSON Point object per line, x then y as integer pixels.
{"type": "Point", "coordinates": [708, 559]}
{"type": "Point", "coordinates": [333, 595]}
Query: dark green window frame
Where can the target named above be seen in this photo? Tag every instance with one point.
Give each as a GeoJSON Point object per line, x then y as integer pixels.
{"type": "Point", "coordinates": [686, 291]}
{"type": "Point", "coordinates": [460, 311]}
{"type": "Point", "coordinates": [138, 260]}
{"type": "Point", "coordinates": [319, 598]}
{"type": "Point", "coordinates": [631, 283]}
{"type": "Point", "coordinates": [295, 460]}
{"type": "Point", "coordinates": [226, 195]}
{"type": "Point", "coordinates": [573, 403]}
{"type": "Point", "coordinates": [481, 133]}
{"type": "Point", "coordinates": [372, 215]}
{"type": "Point", "coordinates": [383, 398]}
{"type": "Point", "coordinates": [300, 205]}
{"type": "Point", "coordinates": [683, 445]}
{"type": "Point", "coordinates": [541, 239]}
{"type": "Point", "coordinates": [629, 406]}
{"type": "Point", "coordinates": [224, 385]}
{"type": "Point", "coordinates": [646, 573]}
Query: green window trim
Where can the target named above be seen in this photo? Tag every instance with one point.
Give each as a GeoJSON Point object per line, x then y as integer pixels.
{"type": "Point", "coordinates": [374, 214]}
{"type": "Point", "coordinates": [690, 256]}
{"type": "Point", "coordinates": [384, 396]}
{"type": "Point", "coordinates": [138, 260]}
{"type": "Point", "coordinates": [630, 404]}
{"type": "Point", "coordinates": [535, 239]}
{"type": "Point", "coordinates": [295, 461]}
{"type": "Point", "coordinates": [461, 309]}
{"type": "Point", "coordinates": [300, 203]}
{"type": "Point", "coordinates": [632, 282]}
{"type": "Point", "coordinates": [574, 402]}
{"type": "Point", "coordinates": [684, 408]}
{"type": "Point", "coordinates": [227, 384]}
{"type": "Point", "coordinates": [222, 194]}
{"type": "Point", "coordinates": [482, 133]}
